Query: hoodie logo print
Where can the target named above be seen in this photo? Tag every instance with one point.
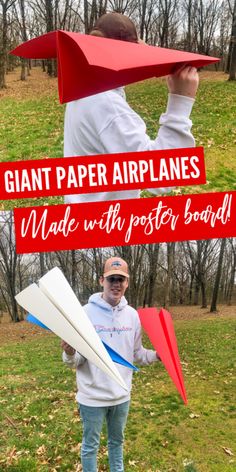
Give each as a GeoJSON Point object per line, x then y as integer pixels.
{"type": "Point", "coordinates": [114, 329]}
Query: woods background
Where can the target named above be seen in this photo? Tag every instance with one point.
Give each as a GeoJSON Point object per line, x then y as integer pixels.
{"type": "Point", "coordinates": [185, 273]}
{"type": "Point", "coordinates": [203, 26]}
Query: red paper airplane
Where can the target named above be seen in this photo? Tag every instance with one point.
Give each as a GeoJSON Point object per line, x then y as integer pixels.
{"type": "Point", "coordinates": [88, 65]}
{"type": "Point", "coordinates": [160, 330]}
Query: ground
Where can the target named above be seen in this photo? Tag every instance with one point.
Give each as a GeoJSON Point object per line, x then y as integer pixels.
{"type": "Point", "coordinates": [40, 84]}
{"type": "Point", "coordinates": [20, 332]}
{"type": "Point", "coordinates": [37, 84]}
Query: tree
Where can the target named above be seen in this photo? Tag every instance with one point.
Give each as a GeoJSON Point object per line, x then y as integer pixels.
{"type": "Point", "coordinates": [168, 21]}
{"type": "Point", "coordinates": [231, 263]}
{"type": "Point", "coordinates": [206, 19]}
{"type": "Point", "coordinates": [218, 276]}
{"type": "Point", "coordinates": [21, 20]}
{"type": "Point", "coordinates": [5, 6]}
{"type": "Point", "coordinates": [232, 46]}
{"type": "Point", "coordinates": [189, 14]}
{"type": "Point", "coordinates": [92, 12]}
{"type": "Point", "coordinates": [153, 255]}
{"type": "Point", "coordinates": [169, 273]}
{"type": "Point", "coordinates": [8, 264]}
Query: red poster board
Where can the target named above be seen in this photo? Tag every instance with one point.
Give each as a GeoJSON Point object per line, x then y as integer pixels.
{"type": "Point", "coordinates": [160, 330]}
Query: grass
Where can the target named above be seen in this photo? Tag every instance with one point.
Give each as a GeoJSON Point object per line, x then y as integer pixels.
{"type": "Point", "coordinates": [31, 125]}
{"type": "Point", "coordinates": [42, 430]}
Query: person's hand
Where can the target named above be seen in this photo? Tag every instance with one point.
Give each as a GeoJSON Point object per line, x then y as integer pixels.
{"type": "Point", "coordinates": [184, 81]}
{"type": "Point", "coordinates": [70, 351]}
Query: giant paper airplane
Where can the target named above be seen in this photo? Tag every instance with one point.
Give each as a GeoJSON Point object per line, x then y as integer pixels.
{"type": "Point", "coordinates": [160, 330]}
{"type": "Point", "coordinates": [54, 304]}
{"type": "Point", "coordinates": [115, 356]}
{"type": "Point", "coordinates": [88, 65]}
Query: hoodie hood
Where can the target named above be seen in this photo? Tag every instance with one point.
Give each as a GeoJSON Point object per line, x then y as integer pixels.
{"type": "Point", "coordinates": [98, 300]}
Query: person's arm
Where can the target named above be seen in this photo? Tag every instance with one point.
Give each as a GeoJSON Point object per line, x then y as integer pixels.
{"type": "Point", "coordinates": [182, 86]}
{"type": "Point", "coordinates": [70, 356]}
{"type": "Point", "coordinates": [175, 123]}
{"type": "Point", "coordinates": [125, 131]}
{"type": "Point", "coordinates": [142, 355]}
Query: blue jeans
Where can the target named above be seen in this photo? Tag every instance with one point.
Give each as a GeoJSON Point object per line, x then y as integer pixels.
{"type": "Point", "coordinates": [93, 418]}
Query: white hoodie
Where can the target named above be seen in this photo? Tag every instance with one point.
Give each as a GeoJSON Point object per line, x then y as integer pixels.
{"type": "Point", "coordinates": [105, 124]}
{"type": "Point", "coordinates": [120, 328]}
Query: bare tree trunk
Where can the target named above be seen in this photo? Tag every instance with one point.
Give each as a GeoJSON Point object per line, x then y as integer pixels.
{"type": "Point", "coordinates": [170, 265]}
{"type": "Point", "coordinates": [98, 262]}
{"type": "Point", "coordinates": [153, 254]}
{"type": "Point", "coordinates": [8, 263]}
{"type": "Point", "coordinates": [232, 66]}
{"type": "Point", "coordinates": [233, 270]}
{"type": "Point", "coordinates": [190, 292]}
{"type": "Point", "coordinates": [203, 290]}
{"type": "Point", "coordinates": [24, 38]}
{"type": "Point", "coordinates": [3, 44]}
{"type": "Point", "coordinates": [196, 292]}
{"type": "Point", "coordinates": [50, 27]}
{"type": "Point", "coordinates": [23, 69]}
{"type": "Point", "coordinates": [189, 31]}
{"type": "Point", "coordinates": [42, 263]}
{"type": "Point", "coordinates": [218, 276]}
{"type": "Point", "coordinates": [86, 17]}
{"type": "Point", "coordinates": [2, 70]}
{"type": "Point", "coordinates": [202, 254]}
{"type": "Point", "coordinates": [93, 15]}
{"type": "Point", "coordinates": [142, 20]}
{"type": "Point", "coordinates": [73, 270]}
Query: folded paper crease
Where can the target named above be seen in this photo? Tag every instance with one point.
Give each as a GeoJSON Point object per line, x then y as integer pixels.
{"type": "Point", "coordinates": [88, 64]}
{"type": "Point", "coordinates": [160, 330]}
{"type": "Point", "coordinates": [115, 356]}
{"type": "Point", "coordinates": [54, 304]}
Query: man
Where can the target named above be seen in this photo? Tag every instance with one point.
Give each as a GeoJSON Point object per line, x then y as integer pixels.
{"type": "Point", "coordinates": [101, 398]}
{"type": "Point", "coordinates": [105, 124]}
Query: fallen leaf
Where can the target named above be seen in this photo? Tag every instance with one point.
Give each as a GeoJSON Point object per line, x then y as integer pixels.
{"type": "Point", "coordinates": [165, 443]}
{"type": "Point", "coordinates": [76, 448]}
{"type": "Point", "coordinates": [193, 415]}
{"type": "Point", "coordinates": [227, 451]}
{"type": "Point", "coordinates": [10, 420]}
{"type": "Point", "coordinates": [78, 468]}
{"type": "Point", "coordinates": [187, 462]}
{"type": "Point", "coordinates": [11, 455]}
{"type": "Point", "coordinates": [41, 450]}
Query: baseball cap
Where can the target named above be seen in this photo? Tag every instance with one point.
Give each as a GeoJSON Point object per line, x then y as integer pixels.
{"type": "Point", "coordinates": [115, 266]}
{"type": "Point", "coordinates": [115, 26]}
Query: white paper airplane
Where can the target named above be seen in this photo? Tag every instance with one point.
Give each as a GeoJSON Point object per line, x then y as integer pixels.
{"type": "Point", "coordinates": [55, 304]}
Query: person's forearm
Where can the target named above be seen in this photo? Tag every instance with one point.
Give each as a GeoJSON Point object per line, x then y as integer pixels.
{"type": "Point", "coordinates": [145, 356]}
{"type": "Point", "coordinates": [73, 360]}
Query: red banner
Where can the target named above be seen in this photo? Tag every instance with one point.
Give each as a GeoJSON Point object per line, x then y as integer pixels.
{"type": "Point", "coordinates": [102, 173]}
{"type": "Point", "coordinates": [125, 222]}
